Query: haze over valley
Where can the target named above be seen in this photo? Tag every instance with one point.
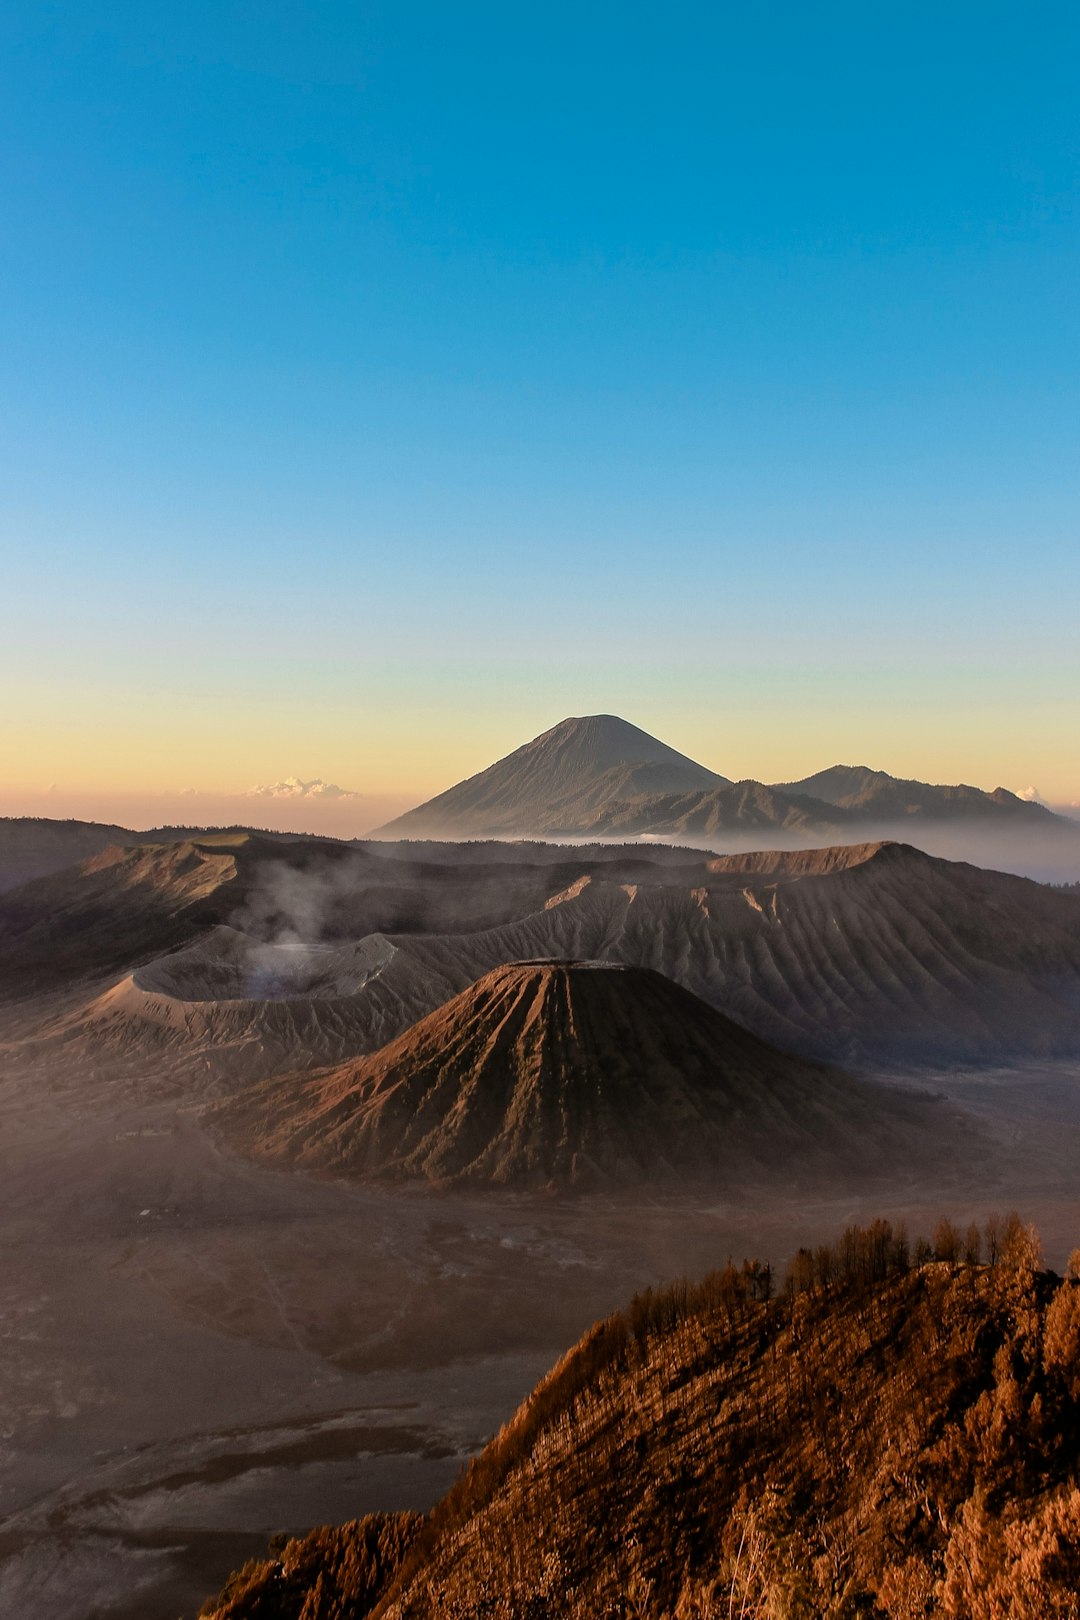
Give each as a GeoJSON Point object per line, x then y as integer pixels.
{"type": "Point", "coordinates": [540, 812]}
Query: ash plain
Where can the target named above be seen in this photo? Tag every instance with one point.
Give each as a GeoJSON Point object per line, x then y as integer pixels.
{"type": "Point", "coordinates": [199, 1353]}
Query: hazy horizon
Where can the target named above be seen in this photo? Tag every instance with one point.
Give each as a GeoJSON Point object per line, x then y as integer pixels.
{"type": "Point", "coordinates": [316, 805]}
{"type": "Point", "coordinates": [382, 387]}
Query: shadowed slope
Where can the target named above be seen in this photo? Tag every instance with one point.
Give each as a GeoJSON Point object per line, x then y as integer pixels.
{"type": "Point", "coordinates": [576, 1074]}
{"type": "Point", "coordinates": [867, 794]}
{"type": "Point", "coordinates": [33, 846]}
{"type": "Point", "coordinates": [121, 903]}
{"type": "Point", "coordinates": [736, 806]}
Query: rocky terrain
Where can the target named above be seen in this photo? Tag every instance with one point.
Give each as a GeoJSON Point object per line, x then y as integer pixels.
{"type": "Point", "coordinates": [236, 956]}
{"type": "Point", "coordinates": [586, 1075]}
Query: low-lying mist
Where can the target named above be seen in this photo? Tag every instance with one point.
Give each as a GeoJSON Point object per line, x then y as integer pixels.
{"type": "Point", "coordinates": [1046, 856]}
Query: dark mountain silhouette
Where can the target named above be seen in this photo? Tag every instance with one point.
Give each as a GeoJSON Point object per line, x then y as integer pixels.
{"type": "Point", "coordinates": [875, 795]}
{"type": "Point", "coordinates": [743, 807]}
{"type": "Point", "coordinates": [32, 846]}
{"type": "Point", "coordinates": [557, 783]}
{"type": "Point", "coordinates": [600, 776]}
{"type": "Point", "coordinates": [580, 1074]}
{"type": "Point", "coordinates": [36, 846]}
{"type": "Point", "coordinates": [881, 1439]}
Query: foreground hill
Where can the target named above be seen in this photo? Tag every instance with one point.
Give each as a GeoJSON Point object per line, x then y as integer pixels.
{"type": "Point", "coordinates": [882, 1440]}
{"type": "Point", "coordinates": [579, 1074]}
{"type": "Point", "coordinates": [557, 784]}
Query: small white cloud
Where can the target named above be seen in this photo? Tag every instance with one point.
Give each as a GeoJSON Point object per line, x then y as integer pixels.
{"type": "Point", "coordinates": [294, 788]}
{"type": "Point", "coordinates": [1031, 795]}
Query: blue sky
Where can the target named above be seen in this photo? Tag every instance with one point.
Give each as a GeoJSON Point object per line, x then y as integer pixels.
{"type": "Point", "coordinates": [380, 383]}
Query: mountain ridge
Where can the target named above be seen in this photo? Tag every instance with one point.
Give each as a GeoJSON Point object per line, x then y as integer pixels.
{"type": "Point", "coordinates": [259, 957]}
{"type": "Point", "coordinates": [598, 775]}
{"type": "Point", "coordinates": [893, 1433]}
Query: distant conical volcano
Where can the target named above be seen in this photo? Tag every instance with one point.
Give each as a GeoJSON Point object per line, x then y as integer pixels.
{"type": "Point", "coordinates": [576, 1074]}
{"type": "Point", "coordinates": [558, 782]}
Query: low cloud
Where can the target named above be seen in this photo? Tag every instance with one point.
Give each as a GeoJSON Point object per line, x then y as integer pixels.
{"type": "Point", "coordinates": [293, 788]}
{"type": "Point", "coordinates": [1031, 795]}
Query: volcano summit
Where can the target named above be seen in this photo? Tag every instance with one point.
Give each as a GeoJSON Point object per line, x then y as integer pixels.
{"type": "Point", "coordinates": [573, 1073]}
{"type": "Point", "coordinates": [561, 781]}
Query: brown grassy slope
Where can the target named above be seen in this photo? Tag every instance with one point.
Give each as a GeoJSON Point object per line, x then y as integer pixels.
{"type": "Point", "coordinates": [904, 1452]}
{"type": "Point", "coordinates": [339, 1570]}
{"type": "Point", "coordinates": [899, 1446]}
{"type": "Point", "coordinates": [575, 1074]}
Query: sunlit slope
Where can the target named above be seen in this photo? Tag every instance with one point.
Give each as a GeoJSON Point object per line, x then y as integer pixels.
{"type": "Point", "coordinates": [885, 1441]}
{"type": "Point", "coordinates": [579, 1074]}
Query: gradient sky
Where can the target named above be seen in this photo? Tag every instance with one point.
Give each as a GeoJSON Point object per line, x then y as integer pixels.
{"type": "Point", "coordinates": [381, 383]}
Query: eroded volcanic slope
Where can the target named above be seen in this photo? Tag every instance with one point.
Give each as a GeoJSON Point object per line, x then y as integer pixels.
{"type": "Point", "coordinates": [257, 957]}
{"type": "Point", "coordinates": [886, 1441]}
{"type": "Point", "coordinates": [577, 1074]}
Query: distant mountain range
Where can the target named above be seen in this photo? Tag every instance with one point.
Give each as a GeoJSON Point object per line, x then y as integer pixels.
{"type": "Point", "coordinates": [598, 776]}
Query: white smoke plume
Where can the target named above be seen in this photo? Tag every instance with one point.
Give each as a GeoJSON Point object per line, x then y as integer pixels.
{"type": "Point", "coordinates": [298, 905]}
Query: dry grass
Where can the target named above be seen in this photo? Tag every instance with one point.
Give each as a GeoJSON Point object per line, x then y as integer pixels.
{"type": "Point", "coordinates": [884, 1438]}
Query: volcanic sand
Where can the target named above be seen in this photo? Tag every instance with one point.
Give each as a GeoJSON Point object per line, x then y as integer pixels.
{"type": "Point", "coordinates": [200, 1352]}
